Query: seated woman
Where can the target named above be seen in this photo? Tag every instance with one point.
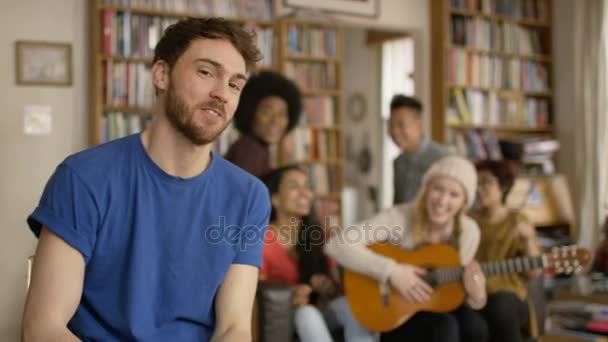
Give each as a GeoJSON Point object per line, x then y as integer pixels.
{"type": "Point", "coordinates": [505, 233]}
{"type": "Point", "coordinates": [293, 254]}
{"type": "Point", "coordinates": [436, 216]}
{"type": "Point", "coordinates": [269, 108]}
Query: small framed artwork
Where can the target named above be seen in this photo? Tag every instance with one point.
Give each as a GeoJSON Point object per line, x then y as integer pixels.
{"type": "Point", "coordinates": [364, 8]}
{"type": "Point", "coordinates": [43, 63]}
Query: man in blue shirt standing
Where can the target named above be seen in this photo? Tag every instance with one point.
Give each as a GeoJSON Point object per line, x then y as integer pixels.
{"type": "Point", "coordinates": [153, 237]}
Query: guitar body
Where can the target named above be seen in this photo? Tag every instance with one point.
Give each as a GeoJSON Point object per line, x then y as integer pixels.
{"type": "Point", "coordinates": [379, 312]}
{"type": "Point", "coordinates": [368, 304]}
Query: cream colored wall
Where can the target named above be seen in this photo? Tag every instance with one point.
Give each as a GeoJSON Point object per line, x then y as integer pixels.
{"type": "Point", "coordinates": [28, 161]}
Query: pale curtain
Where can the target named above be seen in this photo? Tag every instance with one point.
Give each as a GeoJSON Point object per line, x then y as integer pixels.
{"type": "Point", "coordinates": [590, 117]}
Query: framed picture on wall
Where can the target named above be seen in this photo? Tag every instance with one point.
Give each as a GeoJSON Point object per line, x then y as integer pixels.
{"type": "Point", "coordinates": [365, 8]}
{"type": "Point", "coordinates": [43, 63]}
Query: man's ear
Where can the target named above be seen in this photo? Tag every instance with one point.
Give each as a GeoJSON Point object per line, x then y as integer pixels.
{"type": "Point", "coordinates": [160, 75]}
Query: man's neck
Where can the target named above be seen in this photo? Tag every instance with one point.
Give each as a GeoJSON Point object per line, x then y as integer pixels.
{"type": "Point", "coordinates": [173, 152]}
{"type": "Point", "coordinates": [415, 147]}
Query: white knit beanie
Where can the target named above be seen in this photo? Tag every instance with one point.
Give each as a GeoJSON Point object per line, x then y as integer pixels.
{"type": "Point", "coordinates": [458, 168]}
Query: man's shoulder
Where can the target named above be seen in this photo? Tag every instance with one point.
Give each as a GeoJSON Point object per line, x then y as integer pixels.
{"type": "Point", "coordinates": [236, 178]}
{"type": "Point", "coordinates": [438, 150]}
{"type": "Point", "coordinates": [97, 160]}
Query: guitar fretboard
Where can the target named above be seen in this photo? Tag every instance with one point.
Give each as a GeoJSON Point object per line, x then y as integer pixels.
{"type": "Point", "coordinates": [441, 276]}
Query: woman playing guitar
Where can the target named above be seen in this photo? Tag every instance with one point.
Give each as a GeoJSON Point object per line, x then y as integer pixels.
{"type": "Point", "coordinates": [436, 216]}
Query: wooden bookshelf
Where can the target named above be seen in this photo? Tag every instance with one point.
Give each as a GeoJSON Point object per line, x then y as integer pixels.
{"type": "Point", "coordinates": [123, 36]}
{"type": "Point", "coordinates": [310, 53]}
{"type": "Point", "coordinates": [492, 68]}
{"type": "Point", "coordinates": [111, 58]}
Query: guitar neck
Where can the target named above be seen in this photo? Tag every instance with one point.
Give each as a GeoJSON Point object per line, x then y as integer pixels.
{"type": "Point", "coordinates": [490, 269]}
{"type": "Point", "coordinates": [515, 265]}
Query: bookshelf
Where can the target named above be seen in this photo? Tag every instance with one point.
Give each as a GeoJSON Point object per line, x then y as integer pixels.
{"type": "Point", "coordinates": [310, 54]}
{"type": "Point", "coordinates": [492, 72]}
{"type": "Point", "coordinates": [123, 36]}
{"type": "Point", "coordinates": [124, 33]}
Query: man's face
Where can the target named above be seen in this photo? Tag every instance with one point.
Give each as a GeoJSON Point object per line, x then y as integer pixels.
{"type": "Point", "coordinates": [204, 89]}
{"type": "Point", "coordinates": [405, 128]}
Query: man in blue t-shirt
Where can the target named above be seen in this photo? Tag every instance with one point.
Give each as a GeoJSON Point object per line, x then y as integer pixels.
{"type": "Point", "coordinates": [153, 237]}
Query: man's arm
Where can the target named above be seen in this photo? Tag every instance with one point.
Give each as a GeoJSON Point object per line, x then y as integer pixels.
{"type": "Point", "coordinates": [55, 290]}
{"type": "Point", "coordinates": [234, 304]}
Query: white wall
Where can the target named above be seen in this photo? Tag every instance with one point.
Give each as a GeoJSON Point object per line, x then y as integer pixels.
{"type": "Point", "coordinates": [361, 74]}
{"type": "Point", "coordinates": [28, 161]}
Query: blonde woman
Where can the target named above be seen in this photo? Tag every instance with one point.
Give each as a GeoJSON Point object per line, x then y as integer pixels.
{"type": "Point", "coordinates": [436, 216]}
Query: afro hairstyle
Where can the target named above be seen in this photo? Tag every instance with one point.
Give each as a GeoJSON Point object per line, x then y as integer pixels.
{"type": "Point", "coordinates": [260, 86]}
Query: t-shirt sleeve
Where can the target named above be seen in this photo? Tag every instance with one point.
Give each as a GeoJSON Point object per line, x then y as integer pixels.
{"type": "Point", "coordinates": [67, 208]}
{"type": "Point", "coordinates": [252, 233]}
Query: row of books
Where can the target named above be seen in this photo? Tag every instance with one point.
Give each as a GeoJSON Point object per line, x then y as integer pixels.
{"type": "Point", "coordinates": [265, 43]}
{"type": "Point", "coordinates": [304, 144]}
{"type": "Point", "coordinates": [483, 108]}
{"type": "Point", "coordinates": [312, 75]}
{"type": "Point", "coordinates": [128, 84]}
{"type": "Point", "coordinates": [127, 34]}
{"type": "Point", "coordinates": [316, 42]}
{"type": "Point", "coordinates": [483, 34]}
{"type": "Point", "coordinates": [116, 125]}
{"type": "Point", "coordinates": [324, 178]}
{"type": "Point", "coordinates": [524, 148]}
{"type": "Point", "coordinates": [318, 111]}
{"type": "Point", "coordinates": [258, 9]}
{"type": "Point", "coordinates": [475, 70]}
{"type": "Point", "coordinates": [534, 154]}
{"type": "Point", "coordinates": [524, 9]}
{"type": "Point", "coordinates": [475, 144]}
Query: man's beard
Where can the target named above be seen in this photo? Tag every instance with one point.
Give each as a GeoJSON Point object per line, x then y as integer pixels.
{"type": "Point", "coordinates": [182, 118]}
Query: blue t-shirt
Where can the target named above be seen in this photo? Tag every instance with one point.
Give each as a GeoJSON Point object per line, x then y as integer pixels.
{"type": "Point", "coordinates": [156, 246]}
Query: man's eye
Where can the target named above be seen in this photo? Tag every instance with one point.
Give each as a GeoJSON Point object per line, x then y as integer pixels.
{"type": "Point", "coordinates": [205, 72]}
{"type": "Point", "coordinates": [235, 86]}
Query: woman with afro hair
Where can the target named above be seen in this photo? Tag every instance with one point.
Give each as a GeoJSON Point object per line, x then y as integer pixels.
{"type": "Point", "coordinates": [269, 108]}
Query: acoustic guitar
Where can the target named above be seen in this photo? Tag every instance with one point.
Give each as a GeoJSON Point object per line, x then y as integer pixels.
{"type": "Point", "coordinates": [381, 308]}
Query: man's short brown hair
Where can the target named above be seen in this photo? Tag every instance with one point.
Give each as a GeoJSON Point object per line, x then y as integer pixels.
{"type": "Point", "coordinates": [177, 39]}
